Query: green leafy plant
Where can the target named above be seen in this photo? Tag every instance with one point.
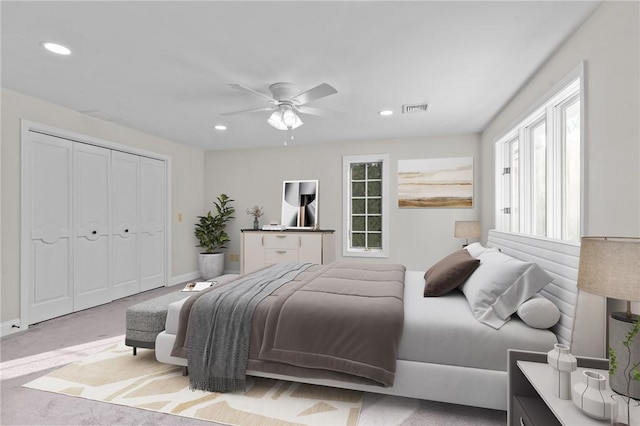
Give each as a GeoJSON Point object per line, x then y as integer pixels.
{"type": "Point", "coordinates": [630, 371]}
{"type": "Point", "coordinates": [210, 230]}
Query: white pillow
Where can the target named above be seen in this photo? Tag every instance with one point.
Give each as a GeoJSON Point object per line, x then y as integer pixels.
{"type": "Point", "coordinates": [499, 285]}
{"type": "Point", "coordinates": [538, 312]}
{"type": "Point", "coordinates": [476, 249]}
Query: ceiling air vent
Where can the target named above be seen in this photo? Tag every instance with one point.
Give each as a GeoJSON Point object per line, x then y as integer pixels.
{"type": "Point", "coordinates": [411, 108]}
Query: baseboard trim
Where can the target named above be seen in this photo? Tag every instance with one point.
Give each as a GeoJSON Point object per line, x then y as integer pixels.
{"type": "Point", "coordinates": [11, 327]}
{"type": "Point", "coordinates": [179, 279]}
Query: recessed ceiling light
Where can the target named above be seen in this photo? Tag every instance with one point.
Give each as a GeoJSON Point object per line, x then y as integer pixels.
{"type": "Point", "coordinates": [220, 127]}
{"type": "Point", "coordinates": [56, 48]}
{"type": "Point", "coordinates": [385, 112]}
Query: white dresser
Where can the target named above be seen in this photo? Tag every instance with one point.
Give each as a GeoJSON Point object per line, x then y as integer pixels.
{"type": "Point", "coordinates": [262, 248]}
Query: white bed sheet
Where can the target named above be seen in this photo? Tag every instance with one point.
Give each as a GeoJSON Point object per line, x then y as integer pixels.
{"type": "Point", "coordinates": [442, 330]}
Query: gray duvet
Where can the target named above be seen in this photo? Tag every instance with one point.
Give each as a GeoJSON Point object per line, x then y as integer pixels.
{"type": "Point", "coordinates": [340, 319]}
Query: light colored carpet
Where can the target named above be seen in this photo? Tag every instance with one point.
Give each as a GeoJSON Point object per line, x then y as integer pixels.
{"type": "Point", "coordinates": [117, 377]}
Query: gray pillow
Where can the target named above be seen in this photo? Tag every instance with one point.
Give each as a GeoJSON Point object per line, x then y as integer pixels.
{"type": "Point", "coordinates": [499, 285]}
{"type": "Point", "coordinates": [449, 273]}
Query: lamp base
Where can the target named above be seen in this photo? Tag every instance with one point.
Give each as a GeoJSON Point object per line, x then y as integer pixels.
{"type": "Point", "coordinates": [619, 326]}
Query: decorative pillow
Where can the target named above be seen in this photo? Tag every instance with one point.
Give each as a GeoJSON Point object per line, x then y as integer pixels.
{"type": "Point", "coordinates": [538, 312]}
{"type": "Point", "coordinates": [499, 285]}
{"type": "Point", "coordinates": [449, 273]}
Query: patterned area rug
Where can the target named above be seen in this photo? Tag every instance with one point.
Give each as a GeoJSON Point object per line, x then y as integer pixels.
{"type": "Point", "coordinates": [115, 376]}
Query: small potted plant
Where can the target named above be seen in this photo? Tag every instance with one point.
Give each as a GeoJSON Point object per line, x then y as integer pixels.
{"type": "Point", "coordinates": [256, 212]}
{"type": "Point", "coordinates": [210, 231]}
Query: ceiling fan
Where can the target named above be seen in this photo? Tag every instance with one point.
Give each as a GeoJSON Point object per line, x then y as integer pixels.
{"type": "Point", "coordinates": [286, 101]}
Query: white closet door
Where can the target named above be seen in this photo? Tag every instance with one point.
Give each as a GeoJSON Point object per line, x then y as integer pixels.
{"type": "Point", "coordinates": [152, 223]}
{"type": "Point", "coordinates": [48, 271]}
{"type": "Point", "coordinates": [91, 250]}
{"type": "Point", "coordinates": [124, 224]}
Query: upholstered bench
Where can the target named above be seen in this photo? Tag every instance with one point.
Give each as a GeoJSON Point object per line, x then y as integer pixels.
{"type": "Point", "coordinates": [145, 320]}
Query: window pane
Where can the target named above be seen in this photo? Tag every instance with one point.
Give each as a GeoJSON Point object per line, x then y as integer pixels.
{"type": "Point", "coordinates": [357, 189]}
{"type": "Point", "coordinates": [358, 171]}
{"type": "Point", "coordinates": [357, 206]}
{"type": "Point", "coordinates": [539, 141]}
{"type": "Point", "coordinates": [357, 240]}
{"type": "Point", "coordinates": [374, 189]}
{"type": "Point", "coordinates": [374, 171]}
{"type": "Point", "coordinates": [374, 206]}
{"type": "Point", "coordinates": [358, 223]}
{"type": "Point", "coordinates": [374, 223]}
{"type": "Point", "coordinates": [571, 172]}
{"type": "Point", "coordinates": [515, 186]}
{"type": "Point", "coordinates": [374, 241]}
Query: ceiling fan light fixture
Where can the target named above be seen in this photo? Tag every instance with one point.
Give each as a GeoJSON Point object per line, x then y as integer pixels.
{"type": "Point", "coordinates": [283, 120]}
{"type": "Point", "coordinates": [276, 121]}
{"type": "Point", "coordinates": [289, 117]}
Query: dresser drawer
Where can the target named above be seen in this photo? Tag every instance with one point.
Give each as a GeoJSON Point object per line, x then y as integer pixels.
{"type": "Point", "coordinates": [285, 242]}
{"type": "Point", "coordinates": [280, 256]}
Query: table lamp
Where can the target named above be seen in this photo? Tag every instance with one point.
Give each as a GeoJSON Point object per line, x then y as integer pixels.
{"type": "Point", "coordinates": [467, 229]}
{"type": "Point", "coordinates": [610, 267]}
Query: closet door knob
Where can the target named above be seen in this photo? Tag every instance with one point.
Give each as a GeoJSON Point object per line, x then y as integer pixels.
{"type": "Point", "coordinates": [94, 232]}
{"type": "Point", "coordinates": [126, 230]}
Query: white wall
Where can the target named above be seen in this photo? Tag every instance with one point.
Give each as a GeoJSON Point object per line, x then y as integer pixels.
{"type": "Point", "coordinates": [418, 237]}
{"type": "Point", "coordinates": [609, 42]}
{"type": "Point", "coordinates": [186, 186]}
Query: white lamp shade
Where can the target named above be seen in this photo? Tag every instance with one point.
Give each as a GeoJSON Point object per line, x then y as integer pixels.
{"type": "Point", "coordinates": [467, 229]}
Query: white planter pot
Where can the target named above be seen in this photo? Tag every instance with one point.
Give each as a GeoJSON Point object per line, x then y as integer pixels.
{"type": "Point", "coordinates": [210, 265]}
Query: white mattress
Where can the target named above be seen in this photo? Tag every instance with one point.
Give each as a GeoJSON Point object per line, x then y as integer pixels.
{"type": "Point", "coordinates": [442, 330]}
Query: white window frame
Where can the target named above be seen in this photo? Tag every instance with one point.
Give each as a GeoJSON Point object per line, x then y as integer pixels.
{"type": "Point", "coordinates": [549, 109]}
{"type": "Point", "coordinates": [347, 160]}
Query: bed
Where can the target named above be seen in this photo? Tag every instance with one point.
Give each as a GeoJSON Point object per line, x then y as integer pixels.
{"type": "Point", "coordinates": [448, 371]}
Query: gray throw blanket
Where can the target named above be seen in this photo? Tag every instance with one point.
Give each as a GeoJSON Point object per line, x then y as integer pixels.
{"type": "Point", "coordinates": [220, 328]}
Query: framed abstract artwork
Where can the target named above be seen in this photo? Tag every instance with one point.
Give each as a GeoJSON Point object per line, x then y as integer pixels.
{"type": "Point", "coordinates": [300, 204]}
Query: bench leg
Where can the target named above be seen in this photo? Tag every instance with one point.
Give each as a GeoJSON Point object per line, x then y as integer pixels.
{"type": "Point", "coordinates": [135, 351]}
{"type": "Point", "coordinates": [185, 371]}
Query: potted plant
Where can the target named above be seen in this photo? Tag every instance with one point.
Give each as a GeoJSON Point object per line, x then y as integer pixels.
{"type": "Point", "coordinates": [210, 231]}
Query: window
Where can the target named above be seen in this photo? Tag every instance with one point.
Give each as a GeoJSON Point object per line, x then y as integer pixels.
{"type": "Point", "coordinates": [538, 167]}
{"type": "Point", "coordinates": [365, 196]}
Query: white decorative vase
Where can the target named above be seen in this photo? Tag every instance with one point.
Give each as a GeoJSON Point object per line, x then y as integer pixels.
{"type": "Point", "coordinates": [563, 363]}
{"type": "Point", "coordinates": [590, 396]}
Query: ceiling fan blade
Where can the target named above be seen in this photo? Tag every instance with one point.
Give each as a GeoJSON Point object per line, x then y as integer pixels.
{"type": "Point", "coordinates": [317, 92]}
{"type": "Point", "coordinates": [246, 89]}
{"type": "Point", "coordinates": [248, 110]}
{"type": "Point", "coordinates": [303, 109]}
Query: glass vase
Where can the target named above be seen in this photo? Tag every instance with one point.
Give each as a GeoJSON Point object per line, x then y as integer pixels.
{"type": "Point", "coordinates": [256, 225]}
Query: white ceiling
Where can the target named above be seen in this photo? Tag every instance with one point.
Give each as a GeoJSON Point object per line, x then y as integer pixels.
{"type": "Point", "coordinates": [164, 67]}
